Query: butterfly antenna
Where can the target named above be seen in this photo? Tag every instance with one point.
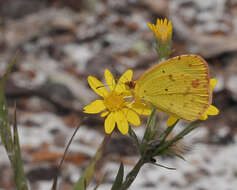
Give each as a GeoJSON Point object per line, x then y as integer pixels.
{"type": "Point", "coordinates": [98, 87]}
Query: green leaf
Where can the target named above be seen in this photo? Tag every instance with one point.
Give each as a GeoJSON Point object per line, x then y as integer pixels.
{"type": "Point", "coordinates": [131, 176]}
{"type": "Point", "coordinates": [11, 144]}
{"type": "Point", "coordinates": [149, 131]}
{"type": "Point", "coordinates": [9, 68]}
{"type": "Point", "coordinates": [5, 129]}
{"type": "Point", "coordinates": [134, 136]}
{"type": "Point", "coordinates": [165, 134]}
{"type": "Point", "coordinates": [150, 126]}
{"type": "Point", "coordinates": [119, 178]}
{"type": "Point", "coordinates": [155, 131]}
{"type": "Point", "coordinates": [19, 175]}
{"type": "Point", "coordinates": [187, 130]}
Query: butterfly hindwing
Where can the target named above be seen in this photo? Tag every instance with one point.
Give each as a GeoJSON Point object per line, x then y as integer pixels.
{"type": "Point", "coordinates": [179, 86]}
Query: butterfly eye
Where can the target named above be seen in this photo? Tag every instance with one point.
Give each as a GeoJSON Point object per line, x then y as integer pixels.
{"type": "Point", "coordinates": [130, 85]}
{"type": "Point", "coordinates": [163, 71]}
{"type": "Point", "coordinates": [127, 87]}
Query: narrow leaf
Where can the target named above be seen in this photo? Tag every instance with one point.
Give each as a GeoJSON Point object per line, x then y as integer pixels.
{"type": "Point", "coordinates": [134, 136]}
{"type": "Point", "coordinates": [148, 133]}
{"type": "Point", "coordinates": [9, 68]}
{"type": "Point", "coordinates": [19, 175]}
{"type": "Point", "coordinates": [150, 126]}
{"type": "Point", "coordinates": [5, 129]}
{"type": "Point", "coordinates": [119, 178]}
{"type": "Point", "coordinates": [187, 130]}
{"type": "Point", "coordinates": [168, 130]}
{"type": "Point", "coordinates": [156, 130]}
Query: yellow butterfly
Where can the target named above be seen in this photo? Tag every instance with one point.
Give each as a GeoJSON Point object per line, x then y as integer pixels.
{"type": "Point", "coordinates": [178, 86]}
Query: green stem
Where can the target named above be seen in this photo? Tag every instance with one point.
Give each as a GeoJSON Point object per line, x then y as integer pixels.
{"type": "Point", "coordinates": [166, 133]}
{"type": "Point", "coordinates": [132, 174]}
{"type": "Point", "coordinates": [163, 49]}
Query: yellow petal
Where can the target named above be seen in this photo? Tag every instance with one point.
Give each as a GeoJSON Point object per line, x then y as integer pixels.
{"type": "Point", "coordinates": [158, 21]}
{"type": "Point", "coordinates": [97, 86]}
{"type": "Point", "coordinates": [212, 110]}
{"type": "Point", "coordinates": [122, 122]}
{"type": "Point", "coordinates": [203, 116]}
{"type": "Point", "coordinates": [213, 83]}
{"type": "Point", "coordinates": [126, 77]}
{"type": "Point", "coordinates": [94, 107]}
{"type": "Point", "coordinates": [149, 25]}
{"type": "Point", "coordinates": [171, 120]}
{"type": "Point", "coordinates": [131, 116]}
{"type": "Point", "coordinates": [170, 25]}
{"type": "Point", "coordinates": [109, 78]}
{"type": "Point", "coordinates": [104, 114]}
{"type": "Point", "coordinates": [140, 108]}
{"type": "Point", "coordinates": [109, 123]}
{"type": "Point", "coordinates": [165, 21]}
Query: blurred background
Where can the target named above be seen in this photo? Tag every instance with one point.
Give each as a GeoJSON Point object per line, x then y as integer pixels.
{"type": "Point", "coordinates": [61, 42]}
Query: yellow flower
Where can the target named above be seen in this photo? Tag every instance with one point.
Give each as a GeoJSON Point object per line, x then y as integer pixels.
{"type": "Point", "coordinates": [211, 110]}
{"type": "Point", "coordinates": [114, 106]}
{"type": "Point", "coordinates": [162, 30]}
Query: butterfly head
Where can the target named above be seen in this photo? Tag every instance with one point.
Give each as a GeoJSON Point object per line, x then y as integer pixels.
{"type": "Point", "coordinates": [130, 85]}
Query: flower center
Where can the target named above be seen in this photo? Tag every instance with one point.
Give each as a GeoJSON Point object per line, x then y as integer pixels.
{"type": "Point", "coordinates": [114, 102]}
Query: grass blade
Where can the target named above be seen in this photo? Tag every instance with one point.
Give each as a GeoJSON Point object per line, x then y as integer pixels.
{"type": "Point", "coordinates": [19, 175]}
{"type": "Point", "coordinates": [119, 178]}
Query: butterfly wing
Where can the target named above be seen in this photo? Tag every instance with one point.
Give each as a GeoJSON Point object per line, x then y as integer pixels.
{"type": "Point", "coordinates": [178, 86]}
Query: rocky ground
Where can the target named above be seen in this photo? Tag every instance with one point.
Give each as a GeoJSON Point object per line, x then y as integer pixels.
{"type": "Point", "coordinates": [60, 43]}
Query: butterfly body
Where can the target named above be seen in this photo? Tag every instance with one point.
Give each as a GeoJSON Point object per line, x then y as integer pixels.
{"type": "Point", "coordinates": [178, 86]}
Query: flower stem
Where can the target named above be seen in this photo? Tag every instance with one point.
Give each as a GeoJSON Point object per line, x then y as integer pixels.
{"type": "Point", "coordinates": [132, 174]}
